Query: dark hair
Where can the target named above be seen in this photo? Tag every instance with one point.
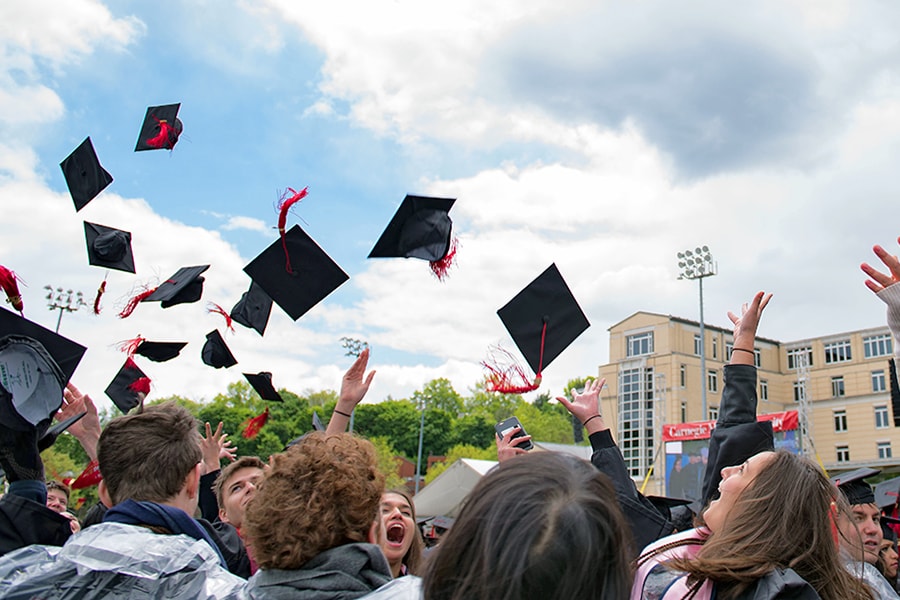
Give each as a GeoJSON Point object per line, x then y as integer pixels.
{"type": "Point", "coordinates": [53, 484]}
{"type": "Point", "coordinates": [319, 494]}
{"type": "Point", "coordinates": [244, 462]}
{"type": "Point", "coordinates": [541, 525]}
{"type": "Point", "coordinates": [148, 455]}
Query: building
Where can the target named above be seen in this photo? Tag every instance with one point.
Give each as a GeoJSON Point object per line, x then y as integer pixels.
{"type": "Point", "coordinates": [653, 378]}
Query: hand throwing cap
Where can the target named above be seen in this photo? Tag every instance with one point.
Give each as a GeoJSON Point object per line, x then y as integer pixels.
{"type": "Point", "coordinates": [854, 487]}
{"type": "Point", "coordinates": [109, 247]}
{"type": "Point", "coordinates": [313, 276]}
{"type": "Point", "coordinates": [129, 387]}
{"type": "Point", "coordinates": [215, 353]}
{"type": "Point", "coordinates": [183, 287]}
{"type": "Point", "coordinates": [160, 129]}
{"type": "Point", "coordinates": [253, 309]}
{"type": "Point", "coordinates": [420, 228]}
{"type": "Point", "coordinates": [85, 177]}
{"type": "Point", "coordinates": [543, 319]}
{"type": "Point", "coordinates": [262, 383]}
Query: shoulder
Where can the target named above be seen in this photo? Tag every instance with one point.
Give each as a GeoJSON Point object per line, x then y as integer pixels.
{"type": "Point", "coordinates": [404, 588]}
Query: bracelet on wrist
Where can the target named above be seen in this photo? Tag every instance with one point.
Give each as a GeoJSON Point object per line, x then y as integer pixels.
{"type": "Point", "coordinates": [342, 413]}
{"type": "Point", "coordinates": [743, 350]}
{"type": "Point", "coordinates": [589, 419]}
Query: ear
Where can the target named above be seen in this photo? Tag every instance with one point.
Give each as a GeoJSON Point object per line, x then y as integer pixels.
{"type": "Point", "coordinates": [192, 482]}
{"type": "Point", "coordinates": [223, 516]}
{"type": "Point", "coordinates": [103, 492]}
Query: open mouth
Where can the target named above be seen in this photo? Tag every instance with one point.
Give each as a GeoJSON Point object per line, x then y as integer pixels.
{"type": "Point", "coordinates": [395, 533]}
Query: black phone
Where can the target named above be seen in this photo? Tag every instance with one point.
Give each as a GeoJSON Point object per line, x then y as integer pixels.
{"type": "Point", "coordinates": [503, 427]}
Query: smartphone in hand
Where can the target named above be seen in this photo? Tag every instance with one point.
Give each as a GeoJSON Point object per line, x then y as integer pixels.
{"type": "Point", "coordinates": [503, 427]}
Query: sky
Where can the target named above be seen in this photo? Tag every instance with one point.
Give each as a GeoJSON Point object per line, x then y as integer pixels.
{"type": "Point", "coordinates": [603, 137]}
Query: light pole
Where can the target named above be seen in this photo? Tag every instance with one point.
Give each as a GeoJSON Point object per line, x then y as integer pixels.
{"type": "Point", "coordinates": [698, 264]}
{"type": "Point", "coordinates": [63, 301]}
{"type": "Point", "coordinates": [423, 405]}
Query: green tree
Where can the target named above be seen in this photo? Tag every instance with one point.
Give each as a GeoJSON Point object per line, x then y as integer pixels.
{"type": "Point", "coordinates": [388, 463]}
{"type": "Point", "coordinates": [439, 394]}
{"type": "Point", "coordinates": [493, 405]}
{"type": "Point", "coordinates": [473, 430]}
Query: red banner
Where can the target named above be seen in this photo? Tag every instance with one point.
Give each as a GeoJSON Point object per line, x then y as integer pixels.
{"type": "Point", "coordinates": [700, 430]}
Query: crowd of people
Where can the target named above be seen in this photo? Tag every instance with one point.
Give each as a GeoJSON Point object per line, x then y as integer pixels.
{"type": "Point", "coordinates": [316, 522]}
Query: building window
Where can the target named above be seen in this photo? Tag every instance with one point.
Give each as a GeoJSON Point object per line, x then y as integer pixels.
{"type": "Point", "coordinates": [840, 421]}
{"type": "Point", "coordinates": [715, 348]}
{"type": "Point", "coordinates": [712, 381]}
{"type": "Point", "coordinates": [878, 345]}
{"type": "Point", "coordinates": [763, 390]}
{"type": "Point", "coordinates": [878, 381]}
{"type": "Point", "coordinates": [837, 386]}
{"type": "Point", "coordinates": [799, 391]}
{"type": "Point", "coordinates": [637, 440]}
{"type": "Point", "coordinates": [639, 344]}
{"type": "Point", "coordinates": [682, 375]}
{"type": "Point", "coordinates": [757, 358]}
{"type": "Point", "coordinates": [713, 413]}
{"type": "Point", "coordinates": [836, 352]}
{"type": "Point", "coordinates": [796, 356]}
{"type": "Point", "coordinates": [884, 450]}
{"type": "Point", "coordinates": [683, 411]}
{"type": "Point", "coordinates": [729, 348]}
{"type": "Point", "coordinates": [843, 454]}
{"type": "Point", "coordinates": [881, 417]}
{"type": "Point", "coordinates": [696, 344]}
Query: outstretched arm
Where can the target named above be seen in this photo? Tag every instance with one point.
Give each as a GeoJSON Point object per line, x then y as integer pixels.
{"type": "Point", "coordinates": [87, 430]}
{"type": "Point", "coordinates": [885, 287]}
{"type": "Point", "coordinates": [354, 386]}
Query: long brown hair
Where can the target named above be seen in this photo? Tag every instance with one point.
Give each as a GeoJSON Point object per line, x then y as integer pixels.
{"type": "Point", "coordinates": [783, 519]}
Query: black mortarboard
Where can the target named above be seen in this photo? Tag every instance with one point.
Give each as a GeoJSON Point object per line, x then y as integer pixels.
{"type": "Point", "coordinates": [129, 387]}
{"type": "Point", "coordinates": [160, 129]}
{"type": "Point", "coordinates": [314, 275]}
{"type": "Point", "coordinates": [895, 390]}
{"type": "Point", "coordinates": [420, 228]}
{"type": "Point", "coordinates": [262, 383]}
{"type": "Point", "coordinates": [545, 301]}
{"type": "Point", "coordinates": [35, 365]}
{"type": "Point", "coordinates": [85, 177]}
{"type": "Point", "coordinates": [185, 286]}
{"type": "Point", "coordinates": [109, 247]}
{"type": "Point", "coordinates": [159, 351]}
{"type": "Point", "coordinates": [852, 484]}
{"type": "Point", "coordinates": [215, 353]}
{"type": "Point", "coordinates": [886, 492]}
{"type": "Point", "coordinates": [54, 432]}
{"type": "Point", "coordinates": [253, 309]}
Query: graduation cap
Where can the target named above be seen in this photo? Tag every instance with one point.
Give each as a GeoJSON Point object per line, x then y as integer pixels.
{"type": "Point", "coordinates": [421, 228]}
{"type": "Point", "coordinates": [54, 432]}
{"type": "Point", "coordinates": [542, 319]}
{"type": "Point", "coordinates": [887, 492]}
{"type": "Point", "coordinates": [160, 129]}
{"type": "Point", "coordinates": [184, 287]}
{"type": "Point", "coordinates": [129, 387]}
{"type": "Point", "coordinates": [109, 247]}
{"type": "Point", "coordinates": [253, 309]}
{"type": "Point", "coordinates": [852, 484]}
{"type": "Point", "coordinates": [895, 391]}
{"type": "Point", "coordinates": [314, 274]}
{"type": "Point", "coordinates": [215, 353]}
{"type": "Point", "coordinates": [35, 365]}
{"type": "Point", "coordinates": [85, 177]}
{"type": "Point", "coordinates": [262, 383]}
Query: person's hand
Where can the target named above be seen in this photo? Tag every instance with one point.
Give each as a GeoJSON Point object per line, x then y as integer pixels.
{"type": "Point", "coordinates": [74, 524]}
{"type": "Point", "coordinates": [87, 429]}
{"type": "Point", "coordinates": [586, 404]}
{"type": "Point", "coordinates": [877, 280]}
{"type": "Point", "coordinates": [507, 448]}
{"type": "Point", "coordinates": [746, 324]}
{"type": "Point", "coordinates": [215, 446]}
{"type": "Point", "coordinates": [353, 385]}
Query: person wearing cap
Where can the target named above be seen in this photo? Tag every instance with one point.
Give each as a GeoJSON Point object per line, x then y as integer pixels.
{"type": "Point", "coordinates": [314, 523]}
{"type": "Point", "coordinates": [766, 529]}
{"type": "Point", "coordinates": [887, 554]}
{"type": "Point", "coordinates": [148, 544]}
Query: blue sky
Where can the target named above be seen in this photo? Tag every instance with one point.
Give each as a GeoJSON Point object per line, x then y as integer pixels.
{"type": "Point", "coordinates": [602, 136]}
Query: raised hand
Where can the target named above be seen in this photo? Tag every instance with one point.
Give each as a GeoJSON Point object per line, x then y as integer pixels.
{"type": "Point", "coordinates": [215, 446]}
{"type": "Point", "coordinates": [506, 449]}
{"type": "Point", "coordinates": [353, 386]}
{"type": "Point", "coordinates": [87, 429]}
{"type": "Point", "coordinates": [586, 404]}
{"type": "Point", "coordinates": [877, 280]}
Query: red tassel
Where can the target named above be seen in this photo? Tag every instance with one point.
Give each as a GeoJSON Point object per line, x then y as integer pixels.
{"type": "Point", "coordinates": [215, 308]}
{"type": "Point", "coordinates": [284, 205]}
{"type": "Point", "coordinates": [132, 304]}
{"type": "Point", "coordinates": [441, 267]}
{"type": "Point", "coordinates": [140, 385]}
{"type": "Point", "coordinates": [512, 378]}
{"type": "Point", "coordinates": [8, 281]}
{"type": "Point", "coordinates": [252, 426]}
{"type": "Point", "coordinates": [90, 476]}
{"type": "Point", "coordinates": [166, 138]}
{"type": "Point", "coordinates": [100, 291]}
{"type": "Point", "coordinates": [129, 347]}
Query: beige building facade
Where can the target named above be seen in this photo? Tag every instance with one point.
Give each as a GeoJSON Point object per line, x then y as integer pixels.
{"type": "Point", "coordinates": [653, 378]}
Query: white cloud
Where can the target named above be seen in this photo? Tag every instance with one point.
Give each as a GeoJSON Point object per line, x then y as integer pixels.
{"type": "Point", "coordinates": [248, 223]}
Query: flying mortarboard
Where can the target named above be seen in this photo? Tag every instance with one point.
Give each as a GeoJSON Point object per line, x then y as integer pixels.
{"type": "Point", "coordinates": [253, 309]}
{"type": "Point", "coordinates": [109, 247]}
{"type": "Point", "coordinates": [852, 484]}
{"type": "Point", "coordinates": [129, 387]}
{"type": "Point", "coordinates": [54, 432]}
{"type": "Point", "coordinates": [184, 287]}
{"type": "Point", "coordinates": [160, 351]}
{"type": "Point", "coordinates": [262, 383]}
{"type": "Point", "coordinates": [543, 320]}
{"type": "Point", "coordinates": [160, 129]}
{"type": "Point", "coordinates": [421, 228]}
{"type": "Point", "coordinates": [85, 177]}
{"type": "Point", "coordinates": [215, 353]}
{"type": "Point", "coordinates": [35, 365]}
{"type": "Point", "coordinates": [314, 274]}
